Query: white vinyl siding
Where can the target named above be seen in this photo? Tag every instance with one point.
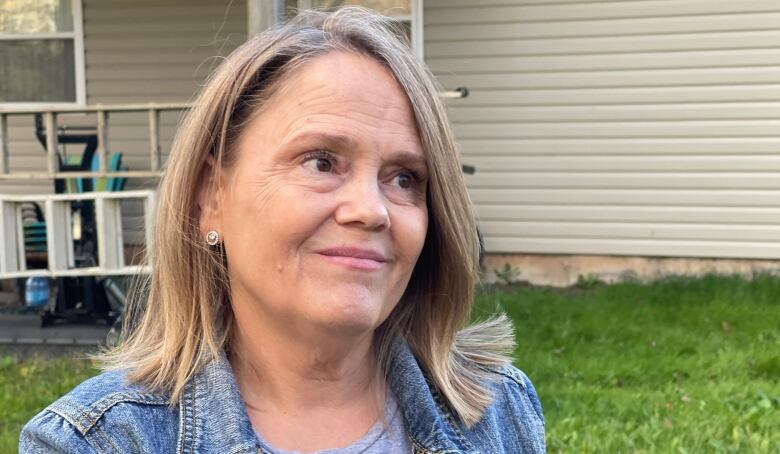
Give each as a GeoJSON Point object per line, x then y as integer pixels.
{"type": "Point", "coordinates": [643, 127]}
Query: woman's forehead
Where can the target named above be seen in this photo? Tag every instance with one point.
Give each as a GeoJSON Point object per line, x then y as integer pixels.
{"type": "Point", "coordinates": [344, 80]}
{"type": "Point", "coordinates": [341, 92]}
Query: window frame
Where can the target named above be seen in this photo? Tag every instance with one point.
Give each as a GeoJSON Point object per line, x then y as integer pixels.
{"type": "Point", "coordinates": [78, 55]}
{"type": "Point", "coordinates": [415, 19]}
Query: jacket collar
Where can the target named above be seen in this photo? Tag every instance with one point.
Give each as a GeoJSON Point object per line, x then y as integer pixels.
{"type": "Point", "coordinates": [211, 408]}
{"type": "Point", "coordinates": [431, 425]}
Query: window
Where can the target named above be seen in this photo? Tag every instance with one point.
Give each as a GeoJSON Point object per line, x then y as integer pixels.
{"type": "Point", "coordinates": [41, 52]}
{"type": "Point", "coordinates": [407, 12]}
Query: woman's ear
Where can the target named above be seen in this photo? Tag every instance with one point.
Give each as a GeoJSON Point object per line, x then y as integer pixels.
{"type": "Point", "coordinates": [208, 198]}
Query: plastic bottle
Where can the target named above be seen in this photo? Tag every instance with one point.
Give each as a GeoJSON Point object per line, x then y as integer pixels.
{"type": "Point", "coordinates": [36, 292]}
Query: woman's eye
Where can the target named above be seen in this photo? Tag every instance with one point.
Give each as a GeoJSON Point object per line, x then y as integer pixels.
{"type": "Point", "coordinates": [405, 180]}
{"type": "Point", "coordinates": [324, 165]}
{"type": "Point", "coordinates": [320, 161]}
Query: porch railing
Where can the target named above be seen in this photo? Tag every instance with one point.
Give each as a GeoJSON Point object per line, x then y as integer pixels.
{"type": "Point", "coordinates": [103, 147]}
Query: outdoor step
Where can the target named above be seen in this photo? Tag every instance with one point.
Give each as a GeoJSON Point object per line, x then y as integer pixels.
{"type": "Point", "coordinates": [26, 329]}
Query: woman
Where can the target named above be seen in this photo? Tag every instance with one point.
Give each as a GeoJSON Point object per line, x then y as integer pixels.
{"type": "Point", "coordinates": [314, 263]}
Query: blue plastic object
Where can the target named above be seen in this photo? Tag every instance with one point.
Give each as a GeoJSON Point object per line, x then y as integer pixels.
{"type": "Point", "coordinates": [36, 292]}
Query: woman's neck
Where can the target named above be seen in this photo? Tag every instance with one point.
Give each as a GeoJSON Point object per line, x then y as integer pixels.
{"type": "Point", "coordinates": [293, 373]}
{"type": "Point", "coordinates": [328, 386]}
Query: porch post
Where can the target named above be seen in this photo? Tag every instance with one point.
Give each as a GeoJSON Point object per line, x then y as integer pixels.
{"type": "Point", "coordinates": [261, 14]}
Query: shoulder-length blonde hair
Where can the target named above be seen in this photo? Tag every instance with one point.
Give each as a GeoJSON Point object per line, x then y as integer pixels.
{"type": "Point", "coordinates": [181, 318]}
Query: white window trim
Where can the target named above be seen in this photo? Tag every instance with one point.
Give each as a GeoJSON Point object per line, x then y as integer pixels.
{"type": "Point", "coordinates": [78, 50]}
{"type": "Point", "coordinates": [418, 42]}
{"type": "Point", "coordinates": [416, 19]}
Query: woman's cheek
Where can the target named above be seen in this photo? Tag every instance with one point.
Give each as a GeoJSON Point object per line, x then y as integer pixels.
{"type": "Point", "coordinates": [404, 196]}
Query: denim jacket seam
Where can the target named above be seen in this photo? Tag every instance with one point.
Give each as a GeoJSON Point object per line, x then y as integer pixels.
{"type": "Point", "coordinates": [527, 395]}
{"type": "Point", "coordinates": [98, 409]}
{"type": "Point", "coordinates": [182, 418]}
{"type": "Point", "coordinates": [80, 421]}
{"type": "Point", "coordinates": [104, 436]}
{"type": "Point", "coordinates": [419, 448]}
{"type": "Point", "coordinates": [95, 443]}
{"type": "Point", "coordinates": [448, 416]}
{"type": "Point", "coordinates": [194, 419]}
{"type": "Point", "coordinates": [514, 376]}
{"type": "Point", "coordinates": [419, 445]}
{"type": "Point", "coordinates": [186, 442]}
{"type": "Point", "coordinates": [83, 419]}
{"type": "Point", "coordinates": [73, 415]}
{"type": "Point", "coordinates": [67, 417]}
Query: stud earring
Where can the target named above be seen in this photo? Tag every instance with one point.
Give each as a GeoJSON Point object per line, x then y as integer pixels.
{"type": "Point", "coordinates": [212, 238]}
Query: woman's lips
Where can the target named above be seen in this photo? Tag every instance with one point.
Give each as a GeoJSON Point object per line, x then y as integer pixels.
{"type": "Point", "coordinates": [354, 257]}
{"type": "Point", "coordinates": [353, 262]}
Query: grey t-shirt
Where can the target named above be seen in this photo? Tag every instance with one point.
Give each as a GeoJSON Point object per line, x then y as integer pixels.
{"type": "Point", "coordinates": [386, 436]}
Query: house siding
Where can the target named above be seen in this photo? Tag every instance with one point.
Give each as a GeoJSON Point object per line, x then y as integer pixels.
{"type": "Point", "coordinates": [617, 127]}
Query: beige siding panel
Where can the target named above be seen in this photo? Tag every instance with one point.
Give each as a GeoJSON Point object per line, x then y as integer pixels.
{"type": "Point", "coordinates": [620, 146]}
{"type": "Point", "coordinates": [128, 57]}
{"type": "Point", "coordinates": [624, 180]}
{"type": "Point", "coordinates": [634, 247]}
{"type": "Point", "coordinates": [632, 10]}
{"type": "Point", "coordinates": [614, 61]}
{"type": "Point", "coordinates": [688, 77]}
{"type": "Point", "coordinates": [477, 30]}
{"type": "Point", "coordinates": [439, 4]}
{"type": "Point", "coordinates": [110, 75]}
{"type": "Point", "coordinates": [735, 128]}
{"type": "Point", "coordinates": [602, 45]}
{"type": "Point", "coordinates": [119, 12]}
{"type": "Point", "coordinates": [685, 112]}
{"type": "Point", "coordinates": [628, 197]}
{"type": "Point", "coordinates": [560, 114]}
{"type": "Point", "coordinates": [622, 96]}
{"type": "Point", "coordinates": [644, 163]}
{"type": "Point", "coordinates": [640, 231]}
{"type": "Point", "coordinates": [643, 127]}
{"type": "Point", "coordinates": [616, 214]}
{"type": "Point", "coordinates": [177, 40]}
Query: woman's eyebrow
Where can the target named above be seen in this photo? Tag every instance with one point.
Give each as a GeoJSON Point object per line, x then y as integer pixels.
{"type": "Point", "coordinates": [411, 159]}
{"type": "Point", "coordinates": [334, 140]}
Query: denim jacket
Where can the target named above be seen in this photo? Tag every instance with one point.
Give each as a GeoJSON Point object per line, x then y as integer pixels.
{"type": "Point", "coordinates": [105, 414]}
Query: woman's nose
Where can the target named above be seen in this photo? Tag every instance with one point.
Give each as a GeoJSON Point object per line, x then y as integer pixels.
{"type": "Point", "coordinates": [362, 202]}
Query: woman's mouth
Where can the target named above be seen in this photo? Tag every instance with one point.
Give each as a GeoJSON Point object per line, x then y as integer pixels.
{"type": "Point", "coordinates": [353, 257]}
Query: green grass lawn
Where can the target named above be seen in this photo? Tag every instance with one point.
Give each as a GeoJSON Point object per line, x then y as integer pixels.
{"type": "Point", "coordinates": [681, 365]}
{"type": "Point", "coordinates": [27, 386]}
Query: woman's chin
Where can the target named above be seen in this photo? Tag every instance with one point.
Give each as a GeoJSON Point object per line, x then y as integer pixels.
{"type": "Point", "coordinates": [352, 319]}
{"type": "Point", "coordinates": [346, 316]}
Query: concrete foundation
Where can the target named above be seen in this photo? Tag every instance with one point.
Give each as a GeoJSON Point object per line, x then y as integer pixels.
{"type": "Point", "coordinates": [566, 270]}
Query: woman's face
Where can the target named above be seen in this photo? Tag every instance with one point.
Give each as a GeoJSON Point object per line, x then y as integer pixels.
{"type": "Point", "coordinates": [324, 215]}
